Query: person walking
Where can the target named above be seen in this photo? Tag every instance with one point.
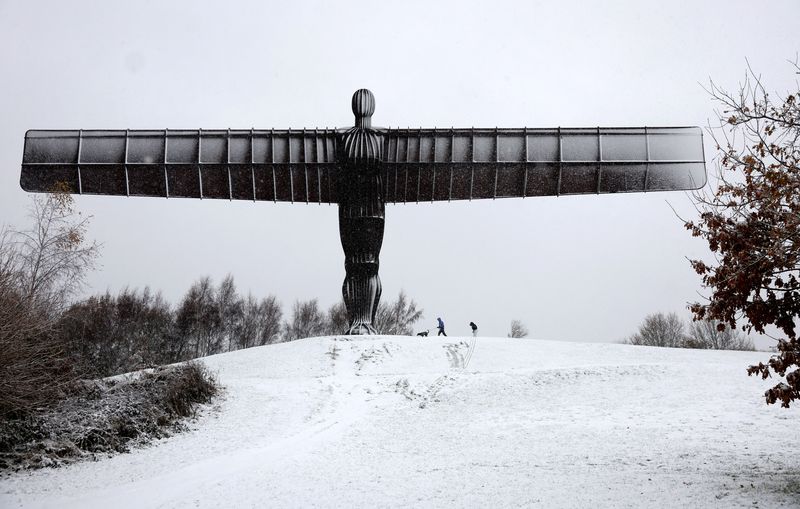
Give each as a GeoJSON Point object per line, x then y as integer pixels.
{"type": "Point", "coordinates": [441, 328]}
{"type": "Point", "coordinates": [474, 329]}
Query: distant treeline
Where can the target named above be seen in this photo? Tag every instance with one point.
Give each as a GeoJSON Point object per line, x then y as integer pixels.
{"type": "Point", "coordinates": [668, 330]}
{"type": "Point", "coordinates": [139, 328]}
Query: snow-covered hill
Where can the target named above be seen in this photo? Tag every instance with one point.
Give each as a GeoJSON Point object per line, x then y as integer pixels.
{"type": "Point", "coordinates": [456, 422]}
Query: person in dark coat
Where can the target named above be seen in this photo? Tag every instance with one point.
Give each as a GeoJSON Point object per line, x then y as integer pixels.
{"type": "Point", "coordinates": [474, 329]}
{"type": "Point", "coordinates": [440, 327]}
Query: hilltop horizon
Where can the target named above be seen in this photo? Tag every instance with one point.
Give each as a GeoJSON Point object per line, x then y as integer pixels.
{"type": "Point", "coordinates": [396, 421]}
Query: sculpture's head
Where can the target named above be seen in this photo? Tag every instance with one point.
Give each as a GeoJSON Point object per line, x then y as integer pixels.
{"type": "Point", "coordinates": [363, 104]}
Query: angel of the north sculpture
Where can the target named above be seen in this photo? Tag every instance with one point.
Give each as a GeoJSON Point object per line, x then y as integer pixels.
{"type": "Point", "coordinates": [362, 168]}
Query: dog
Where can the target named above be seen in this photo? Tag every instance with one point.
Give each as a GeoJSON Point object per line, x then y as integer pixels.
{"type": "Point", "coordinates": [423, 333]}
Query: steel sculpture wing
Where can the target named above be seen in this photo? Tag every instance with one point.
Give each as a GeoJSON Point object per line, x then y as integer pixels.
{"type": "Point", "coordinates": [467, 164]}
{"type": "Point", "coordinates": [417, 164]}
{"type": "Point", "coordinates": [268, 165]}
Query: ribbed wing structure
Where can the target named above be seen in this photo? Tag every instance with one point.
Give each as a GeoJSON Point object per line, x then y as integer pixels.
{"type": "Point", "coordinates": [269, 165]}
{"type": "Point", "coordinates": [417, 165]}
{"type": "Point", "coordinates": [467, 164]}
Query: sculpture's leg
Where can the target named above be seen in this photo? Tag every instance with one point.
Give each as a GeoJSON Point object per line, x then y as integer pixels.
{"type": "Point", "coordinates": [361, 221]}
{"type": "Point", "coordinates": [361, 239]}
{"type": "Point", "coordinates": [377, 294]}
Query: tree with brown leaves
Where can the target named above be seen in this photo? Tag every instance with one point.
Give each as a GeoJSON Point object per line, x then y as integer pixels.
{"type": "Point", "coordinates": [751, 222]}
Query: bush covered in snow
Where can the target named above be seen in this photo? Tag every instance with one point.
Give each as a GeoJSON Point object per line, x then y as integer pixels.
{"type": "Point", "coordinates": [105, 416]}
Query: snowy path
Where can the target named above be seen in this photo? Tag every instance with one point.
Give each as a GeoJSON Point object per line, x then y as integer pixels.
{"type": "Point", "coordinates": [492, 422]}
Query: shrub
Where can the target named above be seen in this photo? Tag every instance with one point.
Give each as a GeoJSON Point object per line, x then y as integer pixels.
{"type": "Point", "coordinates": [34, 369]}
{"type": "Point", "coordinates": [106, 416]}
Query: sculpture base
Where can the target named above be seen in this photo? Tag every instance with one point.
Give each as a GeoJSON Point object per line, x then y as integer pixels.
{"type": "Point", "coordinates": [361, 329]}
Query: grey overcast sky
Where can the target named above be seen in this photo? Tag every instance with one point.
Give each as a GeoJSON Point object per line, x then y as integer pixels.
{"type": "Point", "coordinates": [585, 268]}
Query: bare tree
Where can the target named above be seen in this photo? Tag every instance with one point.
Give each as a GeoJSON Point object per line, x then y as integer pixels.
{"type": "Point", "coordinates": [9, 262]}
{"type": "Point", "coordinates": [115, 334]}
{"type": "Point", "coordinates": [157, 333]}
{"type": "Point", "coordinates": [229, 306]}
{"type": "Point", "coordinates": [53, 257]}
{"type": "Point", "coordinates": [397, 317]}
{"type": "Point", "coordinates": [659, 329]}
{"type": "Point", "coordinates": [261, 322]}
{"type": "Point", "coordinates": [198, 319]}
{"type": "Point", "coordinates": [246, 334]}
{"type": "Point", "coordinates": [715, 335]}
{"type": "Point", "coordinates": [269, 320]}
{"type": "Point", "coordinates": [336, 322]}
{"type": "Point", "coordinates": [518, 330]}
{"type": "Point", "coordinates": [307, 321]}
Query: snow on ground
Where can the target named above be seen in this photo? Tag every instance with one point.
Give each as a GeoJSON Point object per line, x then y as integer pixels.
{"type": "Point", "coordinates": [395, 421]}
